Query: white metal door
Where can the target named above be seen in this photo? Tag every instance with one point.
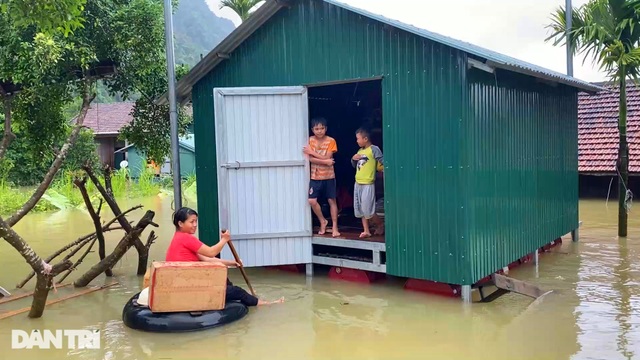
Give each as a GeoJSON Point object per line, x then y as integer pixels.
{"type": "Point", "coordinates": [263, 175]}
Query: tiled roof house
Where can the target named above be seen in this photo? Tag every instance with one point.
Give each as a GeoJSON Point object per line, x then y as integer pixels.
{"type": "Point", "coordinates": [598, 130]}
{"type": "Point", "coordinates": [106, 120]}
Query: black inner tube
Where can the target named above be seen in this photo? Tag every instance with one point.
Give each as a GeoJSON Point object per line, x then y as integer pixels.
{"type": "Point", "coordinates": [141, 318]}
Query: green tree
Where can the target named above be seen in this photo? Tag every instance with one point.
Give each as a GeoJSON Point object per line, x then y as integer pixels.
{"type": "Point", "coordinates": [46, 15]}
{"type": "Point", "coordinates": [609, 32]}
{"type": "Point", "coordinates": [41, 72]}
{"type": "Point", "coordinates": [149, 130]}
{"type": "Point", "coordinates": [240, 7]}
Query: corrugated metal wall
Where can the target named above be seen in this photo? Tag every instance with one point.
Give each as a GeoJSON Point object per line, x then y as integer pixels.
{"type": "Point", "coordinates": [187, 162]}
{"type": "Point", "coordinates": [428, 186]}
{"type": "Point", "coordinates": [137, 162]}
{"type": "Point", "coordinates": [523, 161]}
{"type": "Point", "coordinates": [423, 88]}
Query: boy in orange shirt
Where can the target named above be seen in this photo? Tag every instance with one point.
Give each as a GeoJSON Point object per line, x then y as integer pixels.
{"type": "Point", "coordinates": [323, 179]}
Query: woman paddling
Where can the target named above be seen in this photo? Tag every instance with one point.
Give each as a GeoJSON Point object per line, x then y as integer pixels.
{"type": "Point", "coordinates": [186, 247]}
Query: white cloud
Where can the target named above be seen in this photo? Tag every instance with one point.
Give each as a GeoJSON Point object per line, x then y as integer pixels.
{"type": "Point", "coordinates": [226, 13]}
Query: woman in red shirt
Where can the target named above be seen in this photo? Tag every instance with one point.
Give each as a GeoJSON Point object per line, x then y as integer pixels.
{"type": "Point", "coordinates": [186, 247]}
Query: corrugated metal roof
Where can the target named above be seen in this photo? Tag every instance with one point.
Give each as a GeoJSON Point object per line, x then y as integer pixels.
{"type": "Point", "coordinates": [495, 59]}
{"type": "Point", "coordinates": [271, 7]}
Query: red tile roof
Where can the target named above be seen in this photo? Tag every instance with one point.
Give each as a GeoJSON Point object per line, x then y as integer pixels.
{"type": "Point", "coordinates": [108, 118]}
{"type": "Point", "coordinates": [598, 130]}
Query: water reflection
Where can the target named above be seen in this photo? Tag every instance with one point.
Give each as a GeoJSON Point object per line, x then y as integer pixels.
{"type": "Point", "coordinates": [593, 312]}
{"type": "Point", "coordinates": [623, 287]}
{"type": "Point", "coordinates": [608, 286]}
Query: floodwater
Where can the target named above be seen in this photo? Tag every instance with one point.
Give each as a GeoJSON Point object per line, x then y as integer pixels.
{"type": "Point", "coordinates": [593, 312]}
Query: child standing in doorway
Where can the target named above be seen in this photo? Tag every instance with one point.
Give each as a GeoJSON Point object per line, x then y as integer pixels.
{"type": "Point", "coordinates": [364, 192]}
{"type": "Point", "coordinates": [323, 179]}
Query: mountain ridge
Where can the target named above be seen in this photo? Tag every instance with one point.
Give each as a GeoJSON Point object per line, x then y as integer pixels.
{"type": "Point", "coordinates": [197, 30]}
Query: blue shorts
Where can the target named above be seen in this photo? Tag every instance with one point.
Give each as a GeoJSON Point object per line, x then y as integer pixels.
{"type": "Point", "coordinates": [322, 188]}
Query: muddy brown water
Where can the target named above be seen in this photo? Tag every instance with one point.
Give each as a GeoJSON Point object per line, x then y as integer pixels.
{"type": "Point", "coordinates": [593, 313]}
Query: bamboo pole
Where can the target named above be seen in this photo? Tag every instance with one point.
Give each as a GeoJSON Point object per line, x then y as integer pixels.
{"type": "Point", "coordinates": [22, 296]}
{"type": "Point", "coordinates": [241, 267]}
{"type": "Point", "coordinates": [51, 302]}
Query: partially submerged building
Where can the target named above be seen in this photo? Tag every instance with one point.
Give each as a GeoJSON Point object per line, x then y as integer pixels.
{"type": "Point", "coordinates": [599, 136]}
{"type": "Point", "coordinates": [106, 120]}
{"type": "Point", "coordinates": [480, 149]}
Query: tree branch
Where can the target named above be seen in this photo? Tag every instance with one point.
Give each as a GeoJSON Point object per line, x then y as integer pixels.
{"type": "Point", "coordinates": [107, 194]}
{"type": "Point", "coordinates": [80, 242]}
{"type": "Point", "coordinates": [8, 136]}
{"type": "Point", "coordinates": [64, 260]}
{"type": "Point", "coordinates": [151, 239]}
{"type": "Point", "coordinates": [78, 262]}
{"type": "Point", "coordinates": [108, 185]}
{"type": "Point", "coordinates": [118, 217]}
{"type": "Point", "coordinates": [107, 227]}
{"type": "Point", "coordinates": [18, 243]}
{"type": "Point", "coordinates": [95, 217]}
{"type": "Point", "coordinates": [43, 284]}
{"type": "Point", "coordinates": [57, 163]}
{"type": "Point", "coordinates": [99, 207]}
{"type": "Point", "coordinates": [118, 252]}
{"type": "Point", "coordinates": [60, 267]}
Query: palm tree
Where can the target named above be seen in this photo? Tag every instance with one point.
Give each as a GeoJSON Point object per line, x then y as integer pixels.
{"type": "Point", "coordinates": [609, 31]}
{"type": "Point", "coordinates": [241, 7]}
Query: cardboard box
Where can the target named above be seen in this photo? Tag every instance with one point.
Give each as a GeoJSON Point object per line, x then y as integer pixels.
{"type": "Point", "coordinates": [187, 286]}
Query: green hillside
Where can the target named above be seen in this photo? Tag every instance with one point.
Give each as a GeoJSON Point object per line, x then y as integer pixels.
{"type": "Point", "coordinates": [197, 30]}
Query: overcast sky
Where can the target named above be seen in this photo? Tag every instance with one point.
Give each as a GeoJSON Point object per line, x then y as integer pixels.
{"type": "Point", "coordinates": [513, 27]}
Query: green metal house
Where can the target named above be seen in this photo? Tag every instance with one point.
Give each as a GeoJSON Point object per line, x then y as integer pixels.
{"type": "Point", "coordinates": [480, 149]}
{"type": "Point", "coordinates": [137, 160]}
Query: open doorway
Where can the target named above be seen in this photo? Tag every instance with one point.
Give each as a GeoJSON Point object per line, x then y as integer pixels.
{"type": "Point", "coordinates": [347, 107]}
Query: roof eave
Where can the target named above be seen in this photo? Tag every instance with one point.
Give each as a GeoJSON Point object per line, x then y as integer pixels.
{"type": "Point", "coordinates": [188, 147]}
{"type": "Point", "coordinates": [584, 86]}
{"type": "Point", "coordinates": [106, 133]}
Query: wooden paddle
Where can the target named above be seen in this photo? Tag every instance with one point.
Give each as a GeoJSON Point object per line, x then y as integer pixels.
{"type": "Point", "coordinates": [241, 267]}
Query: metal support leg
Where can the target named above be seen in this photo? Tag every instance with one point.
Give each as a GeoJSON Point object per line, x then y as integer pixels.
{"type": "Point", "coordinates": [466, 294]}
{"type": "Point", "coordinates": [536, 257]}
{"type": "Point", "coordinates": [309, 269]}
{"type": "Point", "coordinates": [4, 293]}
{"type": "Point", "coordinates": [575, 234]}
{"type": "Point", "coordinates": [376, 257]}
